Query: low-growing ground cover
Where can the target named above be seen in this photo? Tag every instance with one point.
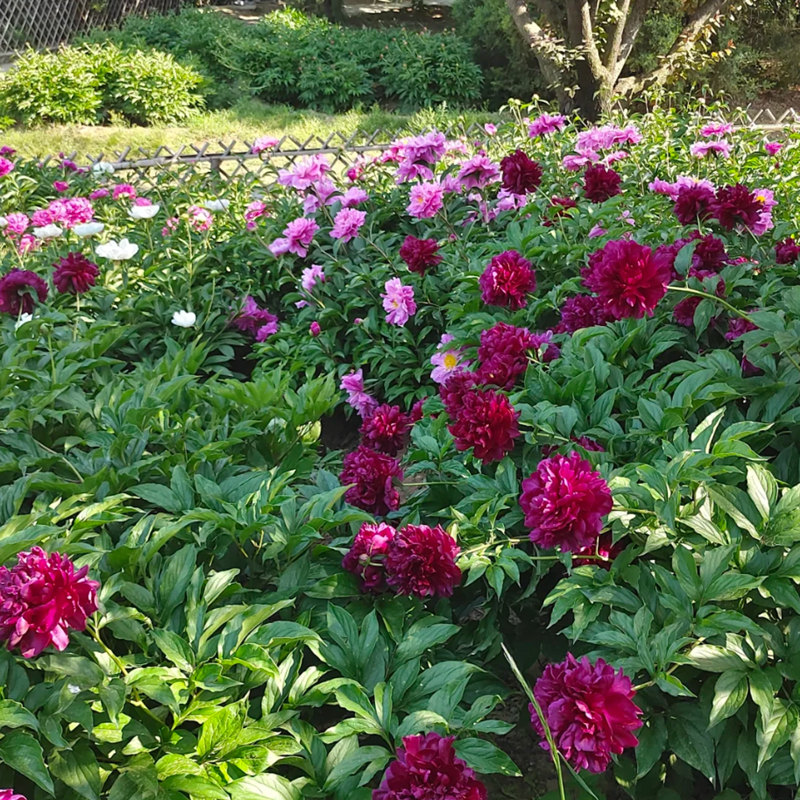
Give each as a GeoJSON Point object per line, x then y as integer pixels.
{"type": "Point", "coordinates": [571, 358]}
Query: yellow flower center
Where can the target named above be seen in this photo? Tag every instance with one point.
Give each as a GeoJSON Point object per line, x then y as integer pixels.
{"type": "Point", "coordinates": [450, 361]}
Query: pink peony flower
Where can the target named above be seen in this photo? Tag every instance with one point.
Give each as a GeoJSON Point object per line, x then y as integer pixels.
{"type": "Point", "coordinates": [265, 143]}
{"type": "Point", "coordinates": [372, 475]}
{"type": "Point", "coordinates": [398, 302]}
{"type": "Point", "coordinates": [8, 794]}
{"type": "Point", "coordinates": [170, 227]}
{"type": "Point", "coordinates": [617, 155]}
{"type": "Point", "coordinates": [702, 149]}
{"type": "Point", "coordinates": [298, 235]}
{"type": "Point", "coordinates": [42, 598]}
{"type": "Point", "coordinates": [347, 223]}
{"type": "Point", "coordinates": [311, 276]}
{"type": "Point", "coordinates": [425, 200]}
{"type": "Point", "coordinates": [507, 280]}
{"type": "Point", "coordinates": [564, 501]}
{"type": "Point", "coordinates": [546, 124]}
{"type": "Point", "coordinates": [314, 329]}
{"type": "Point", "coordinates": [446, 361]}
{"type": "Point", "coordinates": [98, 194]}
{"type": "Point", "coordinates": [420, 254]}
{"type": "Point", "coordinates": [490, 128]}
{"type": "Point", "coordinates": [305, 172]}
{"type": "Point", "coordinates": [353, 384]}
{"type": "Point", "coordinates": [503, 355]}
{"type": "Point", "coordinates": [74, 274]}
{"type": "Point", "coordinates": [253, 211]}
{"type": "Point", "coordinates": [589, 710]}
{"type": "Point", "coordinates": [597, 231]}
{"type": "Point", "coordinates": [201, 219]}
{"type": "Point", "coordinates": [486, 421]}
{"type": "Point", "coordinates": [17, 223]}
{"type": "Point", "coordinates": [773, 148]}
{"type": "Point", "coordinates": [385, 429]}
{"type": "Point", "coordinates": [421, 562]}
{"type": "Point", "coordinates": [628, 278]}
{"type": "Point", "coordinates": [20, 290]}
{"type": "Point", "coordinates": [427, 769]}
{"type": "Point", "coordinates": [6, 166]}
{"type": "Point", "coordinates": [716, 129]}
{"type": "Point", "coordinates": [354, 196]}
{"type": "Point", "coordinates": [367, 553]}
{"type": "Point", "coordinates": [659, 186]}
{"type": "Point", "coordinates": [61, 186]}
{"type": "Point", "coordinates": [764, 222]}
{"type": "Point", "coordinates": [256, 321]}
{"type": "Point", "coordinates": [574, 163]}
{"type": "Point", "coordinates": [478, 172]}
{"type": "Point", "coordinates": [606, 137]}
{"type": "Point", "coordinates": [123, 191]}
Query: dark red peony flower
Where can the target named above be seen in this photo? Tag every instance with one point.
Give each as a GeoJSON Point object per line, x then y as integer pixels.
{"type": "Point", "coordinates": [503, 355]}
{"type": "Point", "coordinates": [416, 413]}
{"type": "Point", "coordinates": [506, 281]}
{"type": "Point", "coordinates": [589, 710]}
{"type": "Point", "coordinates": [561, 205]}
{"type": "Point", "coordinates": [564, 501]}
{"type": "Point", "coordinates": [366, 554]}
{"type": "Point", "coordinates": [521, 174]}
{"type": "Point", "coordinates": [74, 274]}
{"type": "Point", "coordinates": [709, 254]}
{"type": "Point", "coordinates": [372, 473]}
{"type": "Point", "coordinates": [420, 254]}
{"type": "Point", "coordinates": [19, 291]}
{"type": "Point", "coordinates": [42, 598]}
{"type": "Point", "coordinates": [487, 422]}
{"type": "Point", "coordinates": [736, 205]}
{"type": "Point", "coordinates": [385, 429]}
{"type": "Point", "coordinates": [739, 326]}
{"type": "Point", "coordinates": [628, 277]}
{"type": "Point", "coordinates": [601, 554]}
{"type": "Point", "coordinates": [582, 311]}
{"type": "Point", "coordinates": [683, 313]}
{"type": "Point", "coordinates": [600, 183]}
{"type": "Point", "coordinates": [693, 204]}
{"type": "Point", "coordinates": [452, 391]}
{"type": "Point", "coordinates": [421, 562]}
{"type": "Point", "coordinates": [255, 320]}
{"type": "Point", "coordinates": [427, 769]}
{"type": "Point", "coordinates": [787, 251]}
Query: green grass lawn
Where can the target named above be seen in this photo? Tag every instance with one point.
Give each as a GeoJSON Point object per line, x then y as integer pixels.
{"type": "Point", "coordinates": [245, 121]}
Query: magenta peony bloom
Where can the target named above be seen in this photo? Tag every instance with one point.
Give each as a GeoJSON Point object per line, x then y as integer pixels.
{"type": "Point", "coordinates": [589, 710]}
{"type": "Point", "coordinates": [123, 191]}
{"type": "Point", "coordinates": [98, 194]}
{"type": "Point", "coordinates": [265, 143]}
{"type": "Point", "coordinates": [659, 186]}
{"type": "Point", "coordinates": [490, 128]}
{"type": "Point", "coordinates": [739, 326]}
{"type": "Point", "coordinates": [398, 302]}
{"type": "Point", "coordinates": [693, 203]}
{"type": "Point", "coordinates": [702, 149]}
{"type": "Point", "coordinates": [354, 196]}
{"type": "Point", "coordinates": [304, 172]}
{"type": "Point", "coordinates": [421, 562]}
{"type": "Point", "coordinates": [17, 223]}
{"type": "Point", "coordinates": [201, 219]}
{"type": "Point", "coordinates": [582, 311]}
{"type": "Point", "coordinates": [546, 124]}
{"type": "Point", "coordinates": [298, 235]}
{"type": "Point", "coordinates": [420, 254]}
{"type": "Point", "coordinates": [170, 227]}
{"type": "Point", "coordinates": [503, 355]}
{"type": "Point", "coordinates": [600, 183]}
{"type": "Point", "coordinates": [628, 277]}
{"type": "Point", "coordinates": [427, 769]}
{"type": "Point", "coordinates": [574, 162]}
{"type": "Point", "coordinates": [478, 172]}
{"type": "Point", "coordinates": [372, 474]}
{"type": "Point", "coordinates": [254, 211]}
{"type": "Point", "coordinates": [6, 151]}
{"type": "Point", "coordinates": [787, 251]}
{"type": "Point", "coordinates": [314, 329]}
{"type": "Point", "coordinates": [74, 274]}
{"type": "Point", "coordinates": [543, 348]}
{"type": "Point", "coordinates": [486, 421]}
{"type": "Point", "coordinates": [564, 501]}
{"type": "Point", "coordinates": [8, 794]}
{"type": "Point", "coordinates": [716, 129]}
{"type": "Point", "coordinates": [385, 429]}
{"type": "Point", "coordinates": [683, 313]}
{"type": "Point", "coordinates": [773, 148]}
{"type": "Point", "coordinates": [347, 223]}
{"type": "Point", "coordinates": [506, 281]}
{"type": "Point", "coordinates": [6, 166]}
{"type": "Point", "coordinates": [353, 384]}
{"type": "Point", "coordinates": [366, 555]}
{"type": "Point", "coordinates": [27, 243]}
{"type": "Point", "coordinates": [454, 388]}
{"type": "Point", "coordinates": [311, 276]}
{"type": "Point", "coordinates": [61, 186]}
{"type": "Point", "coordinates": [736, 205]}
{"type": "Point", "coordinates": [255, 320]}
{"type": "Point", "coordinates": [606, 137]}
{"type": "Point", "coordinates": [42, 598]}
{"type": "Point", "coordinates": [20, 290]}
{"type": "Point", "coordinates": [521, 174]}
{"type": "Point", "coordinates": [425, 200]}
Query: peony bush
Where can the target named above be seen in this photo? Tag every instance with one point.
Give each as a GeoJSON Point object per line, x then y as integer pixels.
{"type": "Point", "coordinates": [304, 486]}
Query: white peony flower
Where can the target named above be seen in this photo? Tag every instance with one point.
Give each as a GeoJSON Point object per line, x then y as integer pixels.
{"type": "Point", "coordinates": [103, 168]}
{"type": "Point", "coordinates": [184, 319]}
{"type": "Point", "coordinates": [89, 229]}
{"type": "Point", "coordinates": [117, 251]}
{"type": "Point", "coordinates": [216, 205]}
{"type": "Point", "coordinates": [3, 222]}
{"type": "Point", "coordinates": [48, 232]}
{"type": "Point", "coordinates": [145, 212]}
{"type": "Point", "coordinates": [23, 318]}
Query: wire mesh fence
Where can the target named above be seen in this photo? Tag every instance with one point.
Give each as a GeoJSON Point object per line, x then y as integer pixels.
{"type": "Point", "coordinates": [48, 23]}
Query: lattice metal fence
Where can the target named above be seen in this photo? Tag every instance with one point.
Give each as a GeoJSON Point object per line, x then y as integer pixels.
{"type": "Point", "coordinates": [48, 23]}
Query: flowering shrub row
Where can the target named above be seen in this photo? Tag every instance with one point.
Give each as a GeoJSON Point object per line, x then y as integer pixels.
{"type": "Point", "coordinates": [571, 357]}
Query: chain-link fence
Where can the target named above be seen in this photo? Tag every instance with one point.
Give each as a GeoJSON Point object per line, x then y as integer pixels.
{"type": "Point", "coordinates": [48, 23]}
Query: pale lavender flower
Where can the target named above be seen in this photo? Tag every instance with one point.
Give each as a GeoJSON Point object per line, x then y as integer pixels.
{"type": "Point", "coordinates": [398, 302]}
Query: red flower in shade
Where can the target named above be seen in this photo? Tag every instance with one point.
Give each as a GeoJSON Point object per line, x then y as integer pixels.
{"type": "Point", "coordinates": [421, 562]}
{"type": "Point", "coordinates": [709, 254]}
{"type": "Point", "coordinates": [693, 204]}
{"type": "Point", "coordinates": [74, 274]}
{"type": "Point", "coordinates": [452, 391]}
{"type": "Point", "coordinates": [561, 205]}
{"type": "Point", "coordinates": [385, 429]}
{"type": "Point", "coordinates": [42, 598]}
{"type": "Point", "coordinates": [8, 794]}
{"type": "Point", "coordinates": [503, 354]}
{"type": "Point", "coordinates": [601, 554]}
{"type": "Point", "coordinates": [487, 422]}
{"type": "Point", "coordinates": [739, 326]}
{"type": "Point", "coordinates": [736, 205]}
{"type": "Point", "coordinates": [506, 281]}
{"type": "Point", "coordinates": [520, 173]}
{"type": "Point", "coordinates": [427, 769]}
{"type": "Point", "coordinates": [420, 254]}
{"type": "Point", "coordinates": [787, 251]}
{"type": "Point", "coordinates": [19, 290]}
{"type": "Point", "coordinates": [600, 183]}
{"type": "Point", "coordinates": [372, 473]}
{"type": "Point", "coordinates": [416, 414]}
{"type": "Point", "coordinates": [683, 313]}
{"type": "Point", "coordinates": [366, 554]}
{"type": "Point", "coordinates": [589, 710]}
{"type": "Point", "coordinates": [581, 311]}
{"type": "Point", "coordinates": [564, 502]}
{"type": "Point", "coordinates": [628, 277]}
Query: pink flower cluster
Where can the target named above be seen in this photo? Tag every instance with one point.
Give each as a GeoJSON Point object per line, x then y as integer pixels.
{"type": "Point", "coordinates": [357, 397]}
{"type": "Point", "coordinates": [297, 238]}
{"type": "Point", "coordinates": [304, 173]}
{"type": "Point", "coordinates": [398, 302]}
{"type": "Point", "coordinates": [256, 321]}
{"type": "Point", "coordinates": [67, 212]}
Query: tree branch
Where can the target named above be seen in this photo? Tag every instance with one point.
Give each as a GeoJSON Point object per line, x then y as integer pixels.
{"type": "Point", "coordinates": [590, 43]}
{"type": "Point", "coordinates": [550, 11]}
{"type": "Point", "coordinates": [636, 17]}
{"type": "Point", "coordinates": [615, 33]}
{"type": "Point", "coordinates": [684, 44]}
